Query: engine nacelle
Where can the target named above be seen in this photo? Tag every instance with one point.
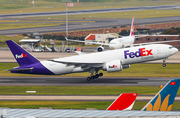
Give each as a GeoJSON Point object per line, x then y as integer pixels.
{"type": "Point", "coordinates": [100, 49]}
{"type": "Point", "coordinates": [126, 45]}
{"type": "Point", "coordinates": [113, 66]}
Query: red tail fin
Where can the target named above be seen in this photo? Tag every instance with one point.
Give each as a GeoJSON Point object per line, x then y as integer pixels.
{"type": "Point", "coordinates": [124, 101]}
{"type": "Point", "coordinates": [132, 27]}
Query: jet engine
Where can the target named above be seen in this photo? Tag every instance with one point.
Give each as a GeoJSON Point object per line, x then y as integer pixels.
{"type": "Point", "coordinates": [113, 66]}
{"type": "Point", "coordinates": [127, 45]}
{"type": "Point", "coordinates": [100, 49]}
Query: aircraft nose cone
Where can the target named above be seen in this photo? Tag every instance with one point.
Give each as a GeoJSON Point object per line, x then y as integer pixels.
{"type": "Point", "coordinates": [176, 50]}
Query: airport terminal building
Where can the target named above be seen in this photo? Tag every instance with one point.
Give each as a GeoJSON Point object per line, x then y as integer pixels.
{"type": "Point", "coordinates": [155, 37]}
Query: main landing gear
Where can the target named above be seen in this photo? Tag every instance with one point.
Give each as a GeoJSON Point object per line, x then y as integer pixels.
{"type": "Point", "coordinates": [164, 63]}
{"type": "Point", "coordinates": [96, 76]}
{"type": "Point", "coordinates": [92, 70]}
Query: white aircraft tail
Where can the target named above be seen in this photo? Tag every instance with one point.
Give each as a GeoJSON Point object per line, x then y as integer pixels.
{"type": "Point", "coordinates": [132, 28]}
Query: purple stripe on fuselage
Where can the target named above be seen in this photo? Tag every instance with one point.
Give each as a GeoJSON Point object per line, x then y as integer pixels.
{"type": "Point", "coordinates": [38, 68]}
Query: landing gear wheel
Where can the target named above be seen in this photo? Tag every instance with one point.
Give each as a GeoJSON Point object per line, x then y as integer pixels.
{"type": "Point", "coordinates": [100, 74]}
{"type": "Point", "coordinates": [164, 65]}
{"type": "Point", "coordinates": [93, 77]}
{"type": "Point", "coordinates": [88, 78]}
{"type": "Point", "coordinates": [97, 76]}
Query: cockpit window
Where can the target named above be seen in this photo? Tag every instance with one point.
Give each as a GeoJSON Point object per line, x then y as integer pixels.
{"type": "Point", "coordinates": [171, 47]}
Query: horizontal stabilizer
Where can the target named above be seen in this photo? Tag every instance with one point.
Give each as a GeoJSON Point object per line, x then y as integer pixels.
{"type": "Point", "coordinates": [20, 69]}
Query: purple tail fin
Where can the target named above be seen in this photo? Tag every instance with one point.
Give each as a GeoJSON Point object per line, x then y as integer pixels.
{"type": "Point", "coordinates": [22, 56]}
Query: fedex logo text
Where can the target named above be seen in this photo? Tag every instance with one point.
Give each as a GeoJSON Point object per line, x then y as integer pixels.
{"type": "Point", "coordinates": [113, 66]}
{"type": "Point", "coordinates": [141, 52]}
{"type": "Point", "coordinates": [20, 56]}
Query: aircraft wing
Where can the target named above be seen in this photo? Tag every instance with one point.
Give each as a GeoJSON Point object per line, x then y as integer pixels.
{"type": "Point", "coordinates": [140, 36]}
{"type": "Point", "coordinates": [155, 42]}
{"type": "Point", "coordinates": [87, 42]}
{"type": "Point", "coordinates": [79, 64]}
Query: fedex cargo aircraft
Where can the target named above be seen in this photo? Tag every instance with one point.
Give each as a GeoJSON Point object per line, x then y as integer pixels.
{"type": "Point", "coordinates": [110, 61]}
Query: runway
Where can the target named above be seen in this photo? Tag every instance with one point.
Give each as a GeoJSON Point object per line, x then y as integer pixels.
{"type": "Point", "coordinates": [99, 24]}
{"type": "Point", "coordinates": [78, 81]}
{"type": "Point", "coordinates": [81, 81]}
{"type": "Point", "coordinates": [88, 11]}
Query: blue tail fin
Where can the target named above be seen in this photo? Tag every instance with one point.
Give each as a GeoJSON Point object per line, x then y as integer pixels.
{"type": "Point", "coordinates": [164, 99]}
{"type": "Point", "coordinates": [22, 56]}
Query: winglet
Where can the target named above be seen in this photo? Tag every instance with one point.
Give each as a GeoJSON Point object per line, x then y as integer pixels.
{"type": "Point", "coordinates": [164, 99]}
{"type": "Point", "coordinates": [132, 28]}
{"type": "Point", "coordinates": [124, 101]}
{"type": "Point", "coordinates": [22, 56]}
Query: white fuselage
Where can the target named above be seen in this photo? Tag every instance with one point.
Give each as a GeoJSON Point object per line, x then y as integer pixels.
{"type": "Point", "coordinates": [121, 42]}
{"type": "Point", "coordinates": [126, 56]}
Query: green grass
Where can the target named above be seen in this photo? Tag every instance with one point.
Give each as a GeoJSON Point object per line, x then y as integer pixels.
{"type": "Point", "coordinates": [95, 16]}
{"type": "Point", "coordinates": [70, 104]}
{"type": "Point", "coordinates": [136, 70]}
{"type": "Point", "coordinates": [67, 90]}
{"type": "Point", "coordinates": [4, 38]}
{"type": "Point", "coordinates": [26, 25]}
{"type": "Point", "coordinates": [140, 105]}
{"type": "Point", "coordinates": [126, 14]}
{"type": "Point", "coordinates": [16, 6]}
{"type": "Point", "coordinates": [24, 7]}
{"type": "Point", "coordinates": [70, 90]}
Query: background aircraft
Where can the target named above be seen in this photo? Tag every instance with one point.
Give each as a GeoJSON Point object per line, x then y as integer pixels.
{"type": "Point", "coordinates": [164, 99]}
{"type": "Point", "coordinates": [124, 101]}
{"type": "Point", "coordinates": [123, 42]}
{"type": "Point", "coordinates": [110, 61]}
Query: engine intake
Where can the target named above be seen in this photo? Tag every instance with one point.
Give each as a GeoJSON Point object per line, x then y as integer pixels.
{"type": "Point", "coordinates": [100, 49]}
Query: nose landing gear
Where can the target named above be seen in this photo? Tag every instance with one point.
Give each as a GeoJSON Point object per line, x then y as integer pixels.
{"type": "Point", "coordinates": [164, 63]}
